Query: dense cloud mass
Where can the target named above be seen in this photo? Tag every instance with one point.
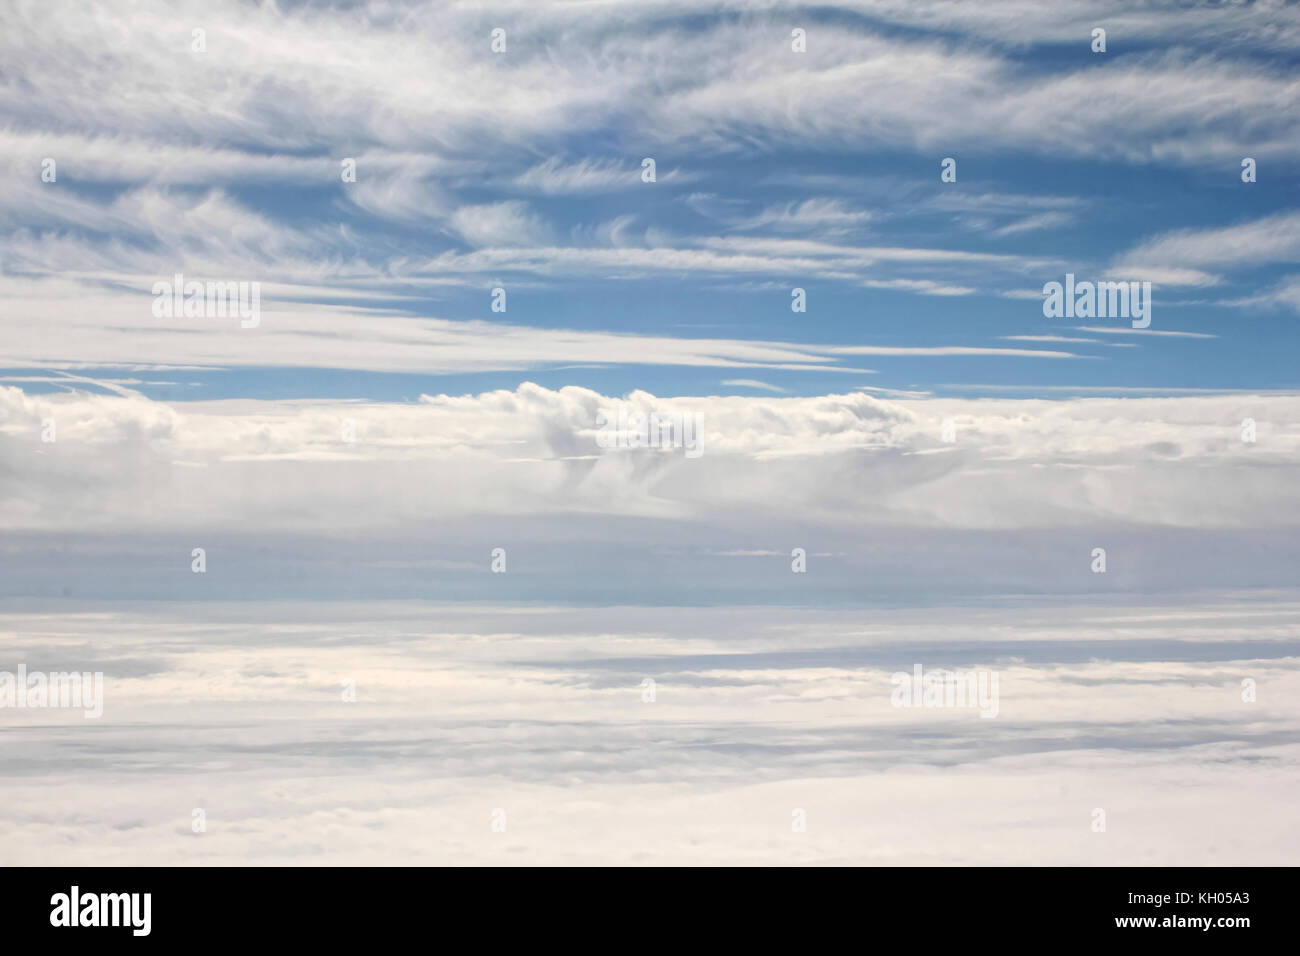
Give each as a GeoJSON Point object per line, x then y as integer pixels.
{"type": "Point", "coordinates": [1225, 461]}
{"type": "Point", "coordinates": [758, 712]}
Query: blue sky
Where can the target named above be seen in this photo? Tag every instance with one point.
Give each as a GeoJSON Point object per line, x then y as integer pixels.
{"type": "Point", "coordinates": [775, 170]}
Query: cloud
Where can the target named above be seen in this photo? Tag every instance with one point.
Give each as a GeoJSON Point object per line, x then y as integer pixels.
{"type": "Point", "coordinates": [1124, 330]}
{"type": "Point", "coordinates": [1021, 23]}
{"type": "Point", "coordinates": [823, 215]}
{"type": "Point", "coordinates": [1284, 294]}
{"type": "Point", "coordinates": [949, 350]}
{"type": "Point", "coordinates": [586, 176]}
{"type": "Point", "coordinates": [1045, 338]}
{"type": "Point", "coordinates": [309, 78]}
{"type": "Point", "coordinates": [444, 131]}
{"type": "Point", "coordinates": [509, 223]}
{"type": "Point", "coordinates": [943, 96]}
{"type": "Point", "coordinates": [246, 698]}
{"type": "Point", "coordinates": [1007, 214]}
{"type": "Point", "coordinates": [1270, 239]}
{"type": "Point", "coordinates": [114, 326]}
{"type": "Point", "coordinates": [534, 451]}
{"type": "Point", "coordinates": [922, 286]}
{"type": "Point", "coordinates": [752, 383]}
{"type": "Point", "coordinates": [1042, 220]}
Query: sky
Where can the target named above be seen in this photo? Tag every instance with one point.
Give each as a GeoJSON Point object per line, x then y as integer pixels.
{"type": "Point", "coordinates": [390, 472]}
{"type": "Point", "coordinates": [774, 170]}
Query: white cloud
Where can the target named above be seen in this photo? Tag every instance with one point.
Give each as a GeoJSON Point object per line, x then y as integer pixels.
{"type": "Point", "coordinates": [753, 383]}
{"type": "Point", "coordinates": [113, 325]}
{"type": "Point", "coordinates": [423, 79]}
{"type": "Point", "coordinates": [456, 714]}
{"type": "Point", "coordinates": [1126, 330]}
{"type": "Point", "coordinates": [533, 451]}
{"type": "Point", "coordinates": [1042, 220]}
{"type": "Point", "coordinates": [555, 178]}
{"type": "Point", "coordinates": [1045, 338]}
{"type": "Point", "coordinates": [508, 223]}
{"type": "Point", "coordinates": [821, 215]}
{"type": "Point", "coordinates": [1260, 241]}
{"type": "Point", "coordinates": [922, 286]}
{"type": "Point", "coordinates": [1285, 294]}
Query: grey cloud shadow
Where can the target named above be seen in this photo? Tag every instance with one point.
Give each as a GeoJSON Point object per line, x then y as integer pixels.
{"type": "Point", "coordinates": [554, 753]}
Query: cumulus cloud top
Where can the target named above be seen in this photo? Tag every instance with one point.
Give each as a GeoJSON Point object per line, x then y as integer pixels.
{"type": "Point", "coordinates": [966, 463]}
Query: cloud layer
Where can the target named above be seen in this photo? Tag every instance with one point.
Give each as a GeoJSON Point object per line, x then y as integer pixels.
{"type": "Point", "coordinates": [538, 713]}
{"type": "Point", "coordinates": [948, 463]}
